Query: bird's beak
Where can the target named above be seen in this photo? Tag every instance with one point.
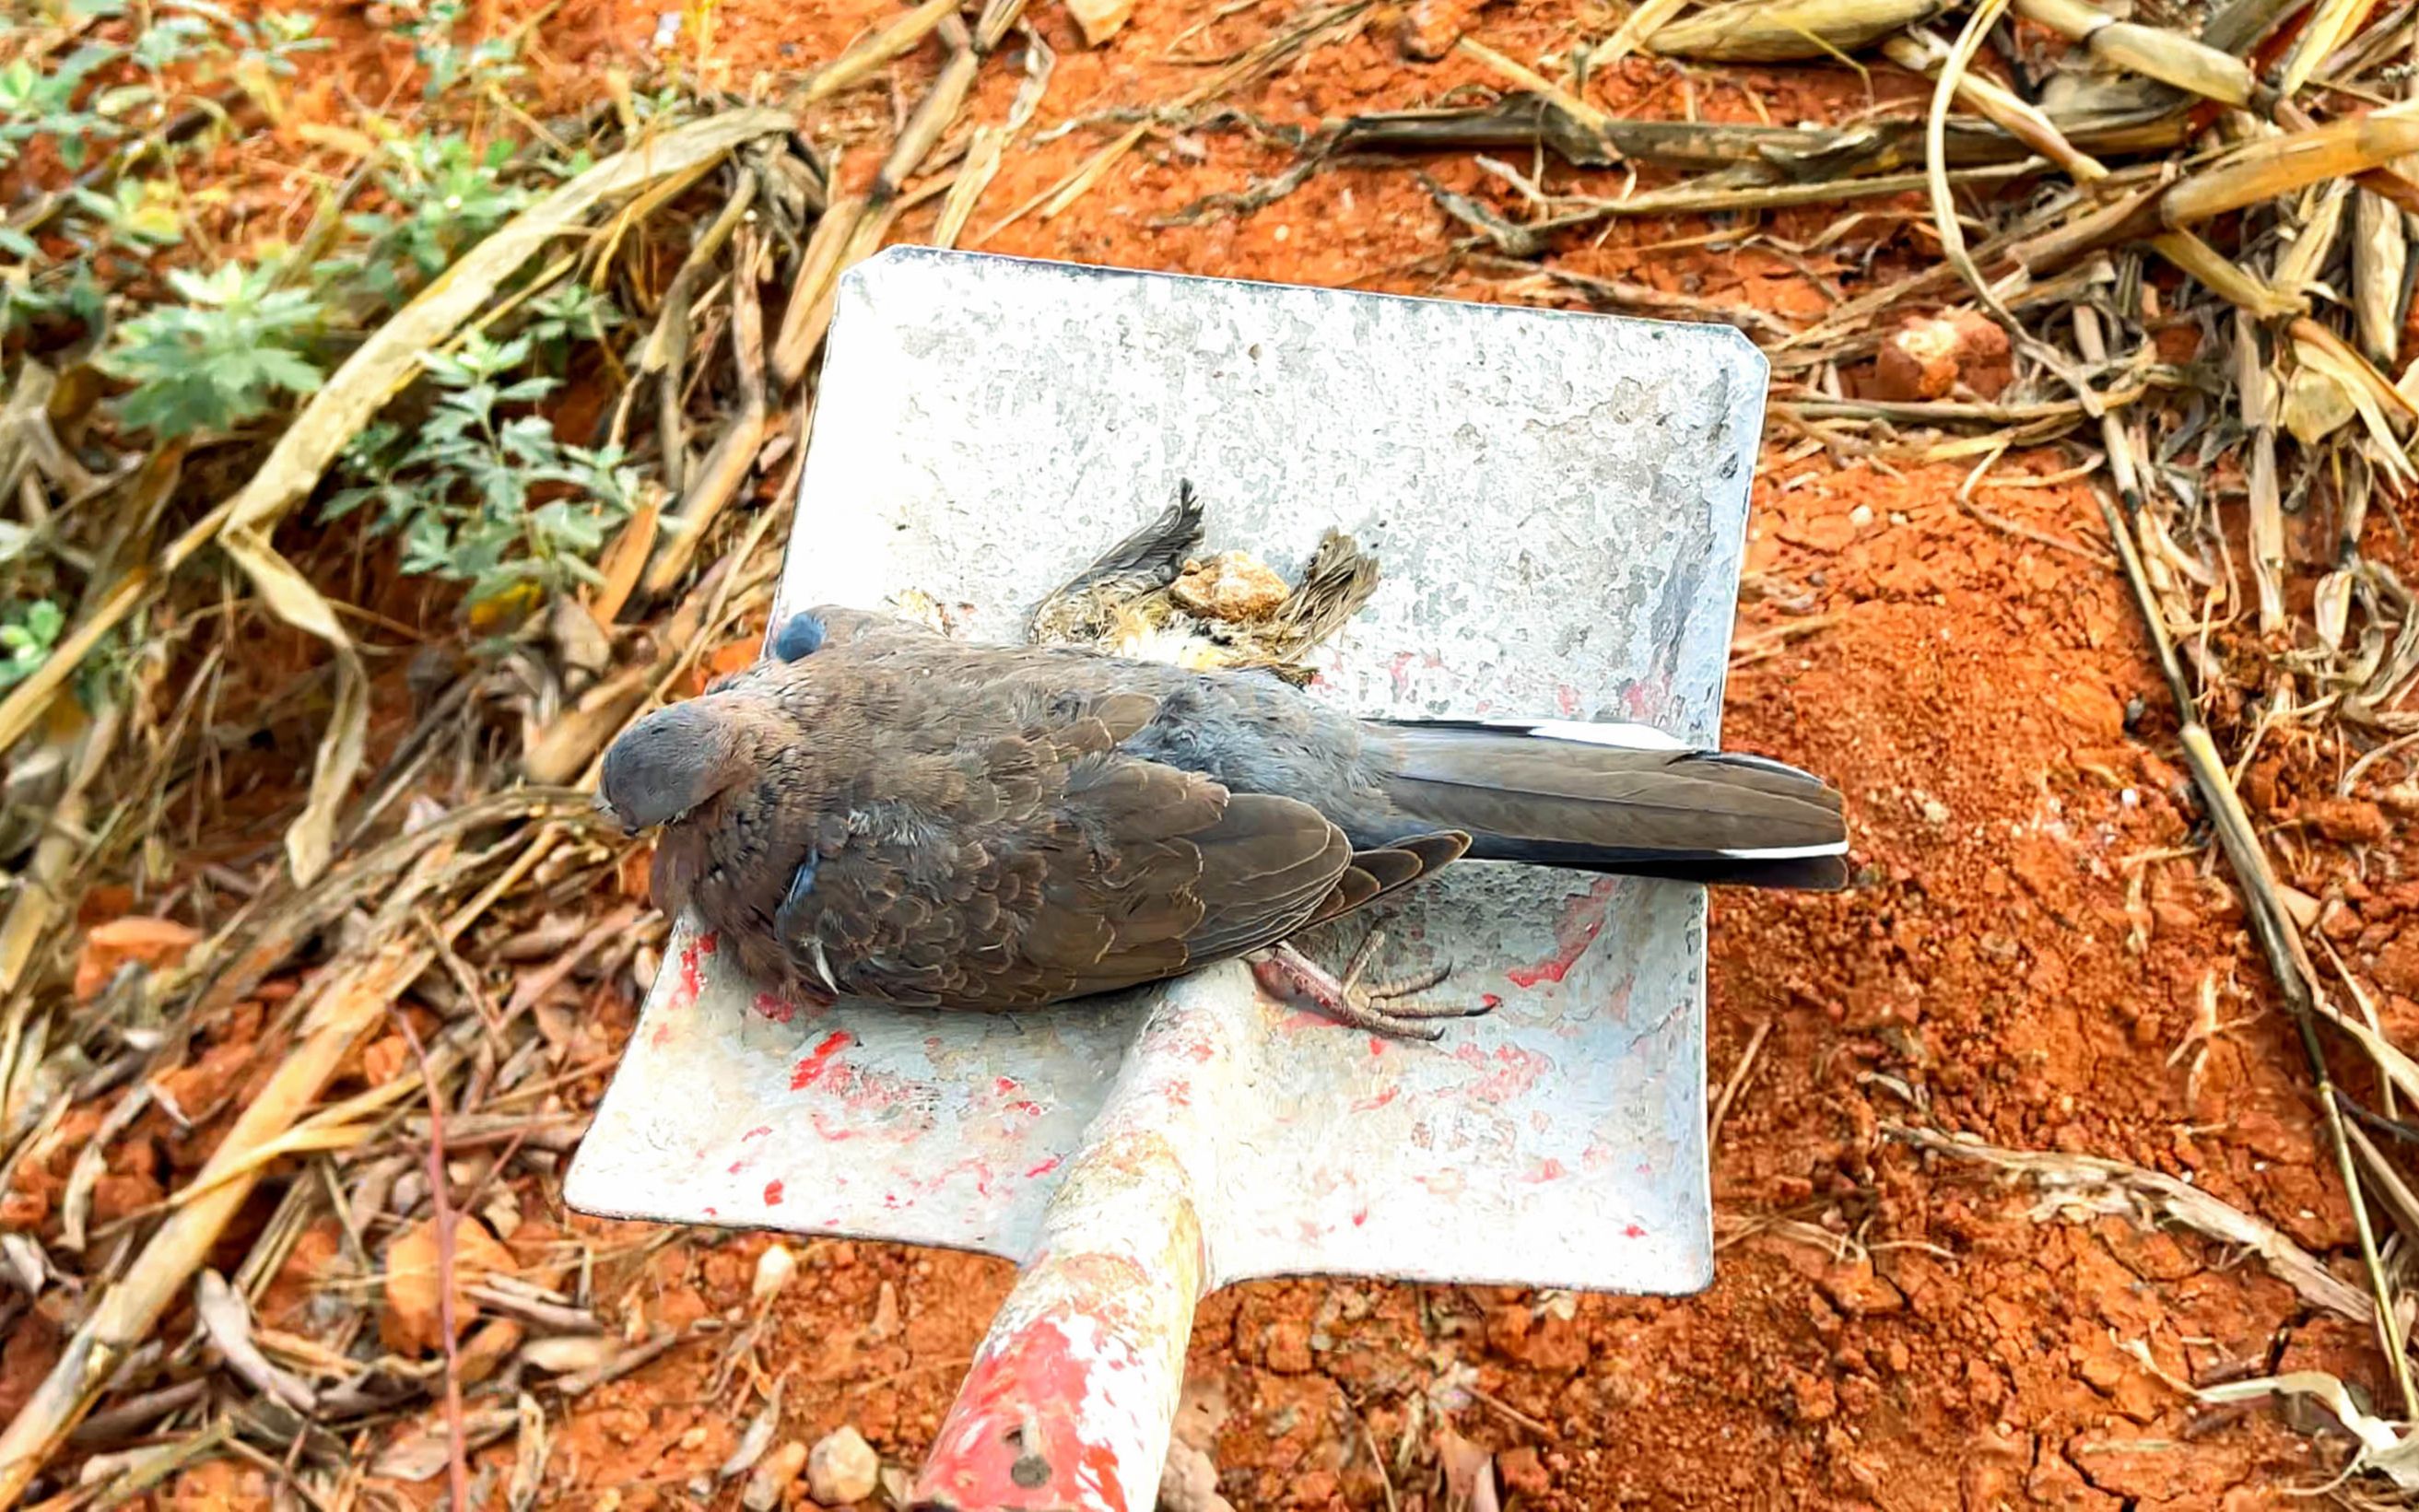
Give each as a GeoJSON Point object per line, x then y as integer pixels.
{"type": "Point", "coordinates": [608, 811]}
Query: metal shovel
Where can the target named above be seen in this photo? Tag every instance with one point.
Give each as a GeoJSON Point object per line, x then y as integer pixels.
{"type": "Point", "coordinates": [1558, 503]}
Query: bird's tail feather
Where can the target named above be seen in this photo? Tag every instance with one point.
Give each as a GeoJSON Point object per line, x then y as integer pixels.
{"type": "Point", "coordinates": [1616, 798]}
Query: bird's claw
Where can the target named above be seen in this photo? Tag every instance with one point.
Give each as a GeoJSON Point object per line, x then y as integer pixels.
{"type": "Point", "coordinates": [1348, 1000]}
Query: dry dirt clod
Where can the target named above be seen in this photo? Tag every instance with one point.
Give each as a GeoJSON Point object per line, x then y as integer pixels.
{"type": "Point", "coordinates": [773, 1475]}
{"type": "Point", "coordinates": [1928, 357]}
{"type": "Point", "coordinates": [1234, 586]}
{"type": "Point", "coordinates": [408, 1323]}
{"type": "Point", "coordinates": [150, 943]}
{"type": "Point", "coordinates": [842, 1467]}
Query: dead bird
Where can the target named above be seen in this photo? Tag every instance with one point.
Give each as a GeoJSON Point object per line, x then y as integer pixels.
{"type": "Point", "coordinates": [880, 811]}
{"type": "Point", "coordinates": [1148, 599]}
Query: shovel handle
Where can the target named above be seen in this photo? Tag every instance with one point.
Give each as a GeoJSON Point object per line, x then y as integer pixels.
{"type": "Point", "coordinates": [1072, 1397]}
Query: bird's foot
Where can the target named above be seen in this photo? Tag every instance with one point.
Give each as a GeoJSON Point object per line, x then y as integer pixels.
{"type": "Point", "coordinates": [1285, 970]}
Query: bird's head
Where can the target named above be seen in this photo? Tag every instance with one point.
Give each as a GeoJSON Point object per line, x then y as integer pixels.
{"type": "Point", "coordinates": [670, 762]}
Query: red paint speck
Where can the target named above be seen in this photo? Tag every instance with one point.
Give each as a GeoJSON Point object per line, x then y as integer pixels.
{"type": "Point", "coordinates": [1360, 1217]}
{"type": "Point", "coordinates": [1548, 1169]}
{"type": "Point", "coordinates": [772, 1194]}
{"type": "Point", "coordinates": [1491, 1000]}
{"type": "Point", "coordinates": [1376, 1046]}
{"type": "Point", "coordinates": [1575, 932]}
{"type": "Point", "coordinates": [1030, 1110]}
{"type": "Point", "coordinates": [1400, 671]}
{"type": "Point", "coordinates": [779, 1010]}
{"type": "Point", "coordinates": [1567, 698]}
{"type": "Point", "coordinates": [1005, 1085]}
{"type": "Point", "coordinates": [810, 1070]}
{"type": "Point", "coordinates": [1181, 1093]}
{"type": "Point", "coordinates": [735, 1166]}
{"type": "Point", "coordinates": [709, 1212]}
{"type": "Point", "coordinates": [1044, 1169]}
{"type": "Point", "coordinates": [827, 1131]}
{"type": "Point", "coordinates": [1368, 1104]}
{"type": "Point", "coordinates": [1506, 1077]}
{"type": "Point", "coordinates": [758, 1133]}
{"type": "Point", "coordinates": [692, 972]}
{"type": "Point", "coordinates": [1634, 1232]}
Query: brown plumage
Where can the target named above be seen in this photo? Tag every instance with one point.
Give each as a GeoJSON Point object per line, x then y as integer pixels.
{"type": "Point", "coordinates": [879, 812]}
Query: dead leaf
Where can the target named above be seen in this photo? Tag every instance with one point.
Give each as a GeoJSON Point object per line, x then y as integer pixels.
{"type": "Point", "coordinates": [423, 1451]}
{"type": "Point", "coordinates": [227, 1320]}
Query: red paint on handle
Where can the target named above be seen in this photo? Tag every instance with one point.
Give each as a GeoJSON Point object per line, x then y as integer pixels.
{"type": "Point", "coordinates": [692, 972]}
{"type": "Point", "coordinates": [1017, 1437]}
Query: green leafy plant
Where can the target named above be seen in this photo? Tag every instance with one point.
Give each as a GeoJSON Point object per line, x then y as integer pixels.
{"type": "Point", "coordinates": [220, 359]}
{"type": "Point", "coordinates": [444, 194]}
{"type": "Point", "coordinates": [28, 633]}
{"type": "Point", "coordinates": [49, 102]}
{"type": "Point", "coordinates": [447, 65]}
{"type": "Point", "coordinates": [139, 214]}
{"type": "Point", "coordinates": [569, 313]}
{"type": "Point", "coordinates": [463, 492]}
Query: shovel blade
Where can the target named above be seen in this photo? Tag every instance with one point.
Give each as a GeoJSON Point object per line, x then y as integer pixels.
{"type": "Point", "coordinates": [1558, 504]}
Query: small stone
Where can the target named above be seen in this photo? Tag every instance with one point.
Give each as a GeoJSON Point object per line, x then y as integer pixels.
{"type": "Point", "coordinates": [1188, 1482]}
{"type": "Point", "coordinates": [1934, 812]}
{"type": "Point", "coordinates": [1928, 357]}
{"type": "Point", "coordinates": [1522, 1474]}
{"type": "Point", "coordinates": [1861, 515]}
{"type": "Point", "coordinates": [1232, 586]}
{"type": "Point", "coordinates": [774, 1269]}
{"type": "Point", "coordinates": [569, 1353]}
{"type": "Point", "coordinates": [842, 1467]}
{"type": "Point", "coordinates": [773, 1475]}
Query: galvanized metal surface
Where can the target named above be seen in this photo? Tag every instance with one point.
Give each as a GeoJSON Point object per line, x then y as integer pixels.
{"type": "Point", "coordinates": [1559, 504]}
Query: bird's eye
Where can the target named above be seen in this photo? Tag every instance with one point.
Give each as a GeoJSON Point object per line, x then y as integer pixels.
{"type": "Point", "coordinates": [801, 637]}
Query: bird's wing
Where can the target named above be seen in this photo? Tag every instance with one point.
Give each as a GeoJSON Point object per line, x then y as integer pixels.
{"type": "Point", "coordinates": [1018, 859]}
